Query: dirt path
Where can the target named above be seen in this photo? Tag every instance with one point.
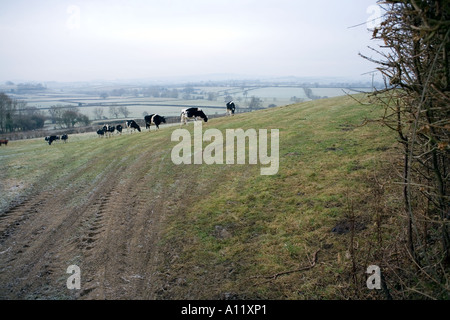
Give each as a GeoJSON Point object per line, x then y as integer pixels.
{"type": "Point", "coordinates": [112, 236]}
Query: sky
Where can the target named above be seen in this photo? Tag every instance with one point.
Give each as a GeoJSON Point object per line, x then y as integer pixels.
{"type": "Point", "coordinates": [60, 40]}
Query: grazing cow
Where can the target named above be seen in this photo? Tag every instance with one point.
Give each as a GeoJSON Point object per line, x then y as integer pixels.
{"type": "Point", "coordinates": [100, 132]}
{"type": "Point", "coordinates": [108, 130]}
{"type": "Point", "coordinates": [64, 137]}
{"type": "Point", "coordinates": [50, 139]}
{"type": "Point", "coordinates": [111, 129]}
{"type": "Point", "coordinates": [231, 108]}
{"type": "Point", "coordinates": [119, 128]}
{"type": "Point", "coordinates": [155, 119]}
{"type": "Point", "coordinates": [3, 141]}
{"type": "Point", "coordinates": [192, 113]}
{"type": "Point", "coordinates": [133, 125]}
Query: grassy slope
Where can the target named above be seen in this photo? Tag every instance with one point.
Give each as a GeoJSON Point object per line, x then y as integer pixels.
{"type": "Point", "coordinates": [228, 227]}
{"type": "Point", "coordinates": [252, 226]}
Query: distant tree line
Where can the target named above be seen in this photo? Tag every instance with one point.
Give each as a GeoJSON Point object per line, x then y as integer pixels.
{"type": "Point", "coordinates": [153, 91]}
{"type": "Point", "coordinates": [15, 115]}
{"type": "Point", "coordinates": [67, 116]}
{"type": "Point", "coordinates": [187, 93]}
{"type": "Point", "coordinates": [310, 95]}
{"type": "Point", "coordinates": [28, 87]}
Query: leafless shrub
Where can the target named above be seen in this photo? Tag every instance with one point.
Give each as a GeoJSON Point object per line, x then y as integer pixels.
{"type": "Point", "coordinates": [413, 59]}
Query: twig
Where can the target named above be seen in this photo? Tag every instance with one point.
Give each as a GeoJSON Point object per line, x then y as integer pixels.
{"type": "Point", "coordinates": [276, 275]}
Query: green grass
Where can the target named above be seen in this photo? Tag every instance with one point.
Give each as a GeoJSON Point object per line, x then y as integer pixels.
{"type": "Point", "coordinates": [274, 222]}
{"type": "Point", "coordinates": [238, 226]}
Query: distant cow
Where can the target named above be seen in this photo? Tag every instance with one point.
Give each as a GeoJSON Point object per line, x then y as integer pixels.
{"type": "Point", "coordinates": [111, 129]}
{"type": "Point", "coordinates": [155, 119]}
{"type": "Point", "coordinates": [64, 137]}
{"type": "Point", "coordinates": [119, 128]}
{"type": "Point", "coordinates": [3, 141]}
{"type": "Point", "coordinates": [231, 108]}
{"type": "Point", "coordinates": [192, 113]}
{"type": "Point", "coordinates": [133, 125]}
{"type": "Point", "coordinates": [107, 130]}
{"type": "Point", "coordinates": [100, 132]}
{"type": "Point", "coordinates": [50, 139]}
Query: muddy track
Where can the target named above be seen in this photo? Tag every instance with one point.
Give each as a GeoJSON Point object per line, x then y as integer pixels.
{"type": "Point", "coordinates": [112, 235]}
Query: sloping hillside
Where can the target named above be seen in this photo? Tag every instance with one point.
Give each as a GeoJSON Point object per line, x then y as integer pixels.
{"type": "Point", "coordinates": [141, 227]}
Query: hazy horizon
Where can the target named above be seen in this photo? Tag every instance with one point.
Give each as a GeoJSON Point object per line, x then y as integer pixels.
{"type": "Point", "coordinates": [72, 41]}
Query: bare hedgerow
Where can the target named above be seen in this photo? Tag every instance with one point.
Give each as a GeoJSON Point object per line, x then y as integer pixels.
{"type": "Point", "coordinates": [413, 59]}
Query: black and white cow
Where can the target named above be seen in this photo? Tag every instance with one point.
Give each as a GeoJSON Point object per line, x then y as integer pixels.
{"type": "Point", "coordinates": [119, 128]}
{"type": "Point", "coordinates": [155, 119]}
{"type": "Point", "coordinates": [64, 138]}
{"type": "Point", "coordinates": [100, 132]}
{"type": "Point", "coordinates": [192, 113]}
{"type": "Point", "coordinates": [106, 130]}
{"type": "Point", "coordinates": [111, 129]}
{"type": "Point", "coordinates": [50, 139]}
{"type": "Point", "coordinates": [133, 125]}
{"type": "Point", "coordinates": [231, 108]}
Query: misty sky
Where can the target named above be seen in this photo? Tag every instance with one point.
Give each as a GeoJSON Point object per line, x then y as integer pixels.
{"type": "Point", "coordinates": [85, 40]}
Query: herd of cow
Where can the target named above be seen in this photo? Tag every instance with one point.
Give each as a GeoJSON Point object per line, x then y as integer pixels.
{"type": "Point", "coordinates": [50, 139]}
{"type": "Point", "coordinates": [152, 119]}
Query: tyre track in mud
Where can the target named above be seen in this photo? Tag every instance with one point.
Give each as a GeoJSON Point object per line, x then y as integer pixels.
{"type": "Point", "coordinates": [17, 215]}
{"type": "Point", "coordinates": [126, 240]}
{"type": "Point", "coordinates": [30, 257]}
{"type": "Point", "coordinates": [112, 236]}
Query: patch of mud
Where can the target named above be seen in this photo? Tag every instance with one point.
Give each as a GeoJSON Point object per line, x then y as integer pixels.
{"type": "Point", "coordinates": [345, 226]}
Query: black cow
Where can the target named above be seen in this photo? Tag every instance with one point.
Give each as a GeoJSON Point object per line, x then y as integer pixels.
{"type": "Point", "coordinates": [119, 128]}
{"type": "Point", "coordinates": [155, 119]}
{"type": "Point", "coordinates": [192, 113]}
{"type": "Point", "coordinates": [64, 137]}
{"type": "Point", "coordinates": [4, 141]}
{"type": "Point", "coordinates": [50, 139]}
{"type": "Point", "coordinates": [231, 108]}
{"type": "Point", "coordinates": [133, 125]}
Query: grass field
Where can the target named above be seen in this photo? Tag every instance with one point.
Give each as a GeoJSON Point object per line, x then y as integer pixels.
{"type": "Point", "coordinates": [223, 231]}
{"type": "Point", "coordinates": [277, 95]}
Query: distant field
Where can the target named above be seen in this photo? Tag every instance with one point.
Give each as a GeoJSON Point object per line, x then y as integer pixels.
{"type": "Point", "coordinates": [136, 104]}
{"type": "Point", "coordinates": [336, 92]}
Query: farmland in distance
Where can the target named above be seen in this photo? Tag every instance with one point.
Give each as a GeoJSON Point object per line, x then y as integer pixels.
{"type": "Point", "coordinates": [168, 100]}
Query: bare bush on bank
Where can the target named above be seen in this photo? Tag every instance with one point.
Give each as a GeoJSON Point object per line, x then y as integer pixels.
{"type": "Point", "coordinates": [413, 58]}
